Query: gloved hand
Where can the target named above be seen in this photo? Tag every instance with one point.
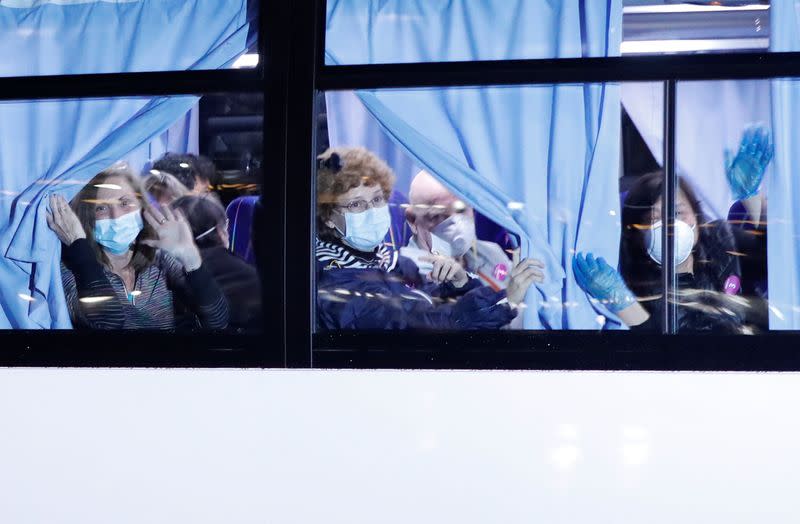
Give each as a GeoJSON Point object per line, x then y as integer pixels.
{"type": "Point", "coordinates": [746, 171]}
{"type": "Point", "coordinates": [602, 282]}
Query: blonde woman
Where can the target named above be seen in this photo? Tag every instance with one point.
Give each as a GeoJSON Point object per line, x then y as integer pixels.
{"type": "Point", "coordinates": [127, 265]}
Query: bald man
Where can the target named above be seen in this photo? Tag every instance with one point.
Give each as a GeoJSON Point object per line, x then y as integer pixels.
{"type": "Point", "coordinates": [443, 225]}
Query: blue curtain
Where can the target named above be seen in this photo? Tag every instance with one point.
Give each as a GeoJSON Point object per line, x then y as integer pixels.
{"type": "Point", "coordinates": [711, 117]}
{"type": "Point", "coordinates": [183, 136]}
{"type": "Point", "coordinates": [783, 187]}
{"type": "Point", "coordinates": [541, 161]}
{"type": "Point", "coordinates": [58, 145]}
{"type": "Point", "coordinates": [350, 124]}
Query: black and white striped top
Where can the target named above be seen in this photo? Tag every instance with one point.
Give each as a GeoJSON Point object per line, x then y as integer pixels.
{"type": "Point", "coordinates": [164, 297]}
{"type": "Point", "coordinates": [336, 257]}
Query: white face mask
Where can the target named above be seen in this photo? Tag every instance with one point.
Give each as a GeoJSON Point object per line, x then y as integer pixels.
{"type": "Point", "coordinates": [366, 231]}
{"type": "Point", "coordinates": [453, 237]}
{"type": "Point", "coordinates": [684, 241]}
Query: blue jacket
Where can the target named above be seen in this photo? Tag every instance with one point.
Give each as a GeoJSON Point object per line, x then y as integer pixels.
{"type": "Point", "coordinates": [383, 290]}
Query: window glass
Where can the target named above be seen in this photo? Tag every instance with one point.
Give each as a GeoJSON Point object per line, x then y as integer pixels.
{"type": "Point", "coordinates": [659, 27]}
{"type": "Point", "coordinates": [725, 146]}
{"type": "Point", "coordinates": [485, 208]}
{"type": "Point", "coordinates": [96, 36]}
{"type": "Point", "coordinates": [131, 213]}
{"type": "Point", "coordinates": [374, 32]}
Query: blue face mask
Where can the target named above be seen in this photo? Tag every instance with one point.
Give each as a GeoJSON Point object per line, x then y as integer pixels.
{"type": "Point", "coordinates": [117, 234]}
{"type": "Point", "coordinates": [366, 231]}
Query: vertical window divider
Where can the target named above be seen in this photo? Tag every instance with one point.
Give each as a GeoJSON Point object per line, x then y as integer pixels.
{"type": "Point", "coordinates": [269, 233]}
{"type": "Point", "coordinates": [298, 248]}
{"type": "Point", "coordinates": [668, 193]}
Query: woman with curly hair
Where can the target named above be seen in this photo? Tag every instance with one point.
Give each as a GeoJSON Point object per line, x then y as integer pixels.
{"type": "Point", "coordinates": [362, 284]}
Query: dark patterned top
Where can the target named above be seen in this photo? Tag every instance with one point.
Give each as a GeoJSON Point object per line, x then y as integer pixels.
{"type": "Point", "coordinates": [163, 294]}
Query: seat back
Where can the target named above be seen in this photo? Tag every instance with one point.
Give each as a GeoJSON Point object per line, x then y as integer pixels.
{"type": "Point", "coordinates": [240, 227]}
{"type": "Point", "coordinates": [400, 232]}
{"type": "Point", "coordinates": [488, 230]}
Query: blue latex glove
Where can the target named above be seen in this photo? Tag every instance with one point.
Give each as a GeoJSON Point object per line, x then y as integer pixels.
{"type": "Point", "coordinates": [746, 171]}
{"type": "Point", "coordinates": [602, 282]}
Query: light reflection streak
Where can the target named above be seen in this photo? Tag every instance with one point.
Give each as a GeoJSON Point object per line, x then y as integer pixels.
{"type": "Point", "coordinates": [94, 300]}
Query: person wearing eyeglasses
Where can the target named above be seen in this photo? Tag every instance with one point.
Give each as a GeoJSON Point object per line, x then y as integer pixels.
{"type": "Point", "coordinates": [710, 280]}
{"type": "Point", "coordinates": [362, 284]}
{"type": "Point", "coordinates": [127, 265]}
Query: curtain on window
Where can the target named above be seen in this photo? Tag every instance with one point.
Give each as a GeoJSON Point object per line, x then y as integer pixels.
{"type": "Point", "coordinates": [182, 137]}
{"type": "Point", "coordinates": [51, 146]}
{"type": "Point", "coordinates": [711, 117]}
{"type": "Point", "coordinates": [783, 187]}
{"type": "Point", "coordinates": [541, 161]}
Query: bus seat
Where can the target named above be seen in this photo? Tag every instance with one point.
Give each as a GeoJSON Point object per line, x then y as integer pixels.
{"type": "Point", "coordinates": [240, 227]}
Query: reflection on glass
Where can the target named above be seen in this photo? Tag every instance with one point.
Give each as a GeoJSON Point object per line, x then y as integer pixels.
{"type": "Point", "coordinates": [657, 27]}
{"type": "Point", "coordinates": [708, 270]}
{"type": "Point", "coordinates": [159, 239]}
{"type": "Point", "coordinates": [499, 184]}
{"type": "Point", "coordinates": [363, 284]}
{"type": "Point", "coordinates": [722, 278]}
{"type": "Point", "coordinates": [506, 227]}
{"type": "Point", "coordinates": [361, 32]}
{"type": "Point", "coordinates": [62, 38]}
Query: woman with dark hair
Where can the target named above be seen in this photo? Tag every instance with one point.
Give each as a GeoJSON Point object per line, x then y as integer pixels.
{"type": "Point", "coordinates": [706, 257]}
{"type": "Point", "coordinates": [193, 171]}
{"type": "Point", "coordinates": [238, 280]}
{"type": "Point", "coordinates": [127, 265]}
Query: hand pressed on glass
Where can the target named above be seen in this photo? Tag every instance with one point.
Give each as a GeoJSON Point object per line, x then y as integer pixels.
{"type": "Point", "coordinates": [746, 170]}
{"type": "Point", "coordinates": [602, 282]}
{"type": "Point", "coordinates": [174, 236]}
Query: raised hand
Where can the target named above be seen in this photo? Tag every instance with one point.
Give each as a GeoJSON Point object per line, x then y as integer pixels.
{"type": "Point", "coordinates": [174, 236]}
{"type": "Point", "coordinates": [63, 221]}
{"type": "Point", "coordinates": [746, 170]}
{"type": "Point", "coordinates": [602, 282]}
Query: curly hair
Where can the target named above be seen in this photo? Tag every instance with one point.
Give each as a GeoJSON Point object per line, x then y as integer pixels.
{"type": "Point", "coordinates": [353, 167]}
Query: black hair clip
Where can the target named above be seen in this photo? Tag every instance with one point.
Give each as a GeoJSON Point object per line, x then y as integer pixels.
{"type": "Point", "coordinates": [333, 162]}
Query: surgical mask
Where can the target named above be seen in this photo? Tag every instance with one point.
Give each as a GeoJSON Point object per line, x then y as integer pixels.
{"type": "Point", "coordinates": [684, 241]}
{"type": "Point", "coordinates": [366, 231]}
{"type": "Point", "coordinates": [453, 237]}
{"type": "Point", "coordinates": [117, 234]}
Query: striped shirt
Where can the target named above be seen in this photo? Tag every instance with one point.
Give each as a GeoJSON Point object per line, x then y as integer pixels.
{"type": "Point", "coordinates": [164, 296]}
{"type": "Point", "coordinates": [337, 257]}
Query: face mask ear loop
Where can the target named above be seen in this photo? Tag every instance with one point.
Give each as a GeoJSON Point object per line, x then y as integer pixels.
{"type": "Point", "coordinates": [206, 233]}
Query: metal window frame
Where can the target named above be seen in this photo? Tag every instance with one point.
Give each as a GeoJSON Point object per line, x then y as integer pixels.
{"type": "Point", "coordinates": [291, 73]}
{"type": "Point", "coordinates": [157, 349]}
{"type": "Point", "coordinates": [534, 350]}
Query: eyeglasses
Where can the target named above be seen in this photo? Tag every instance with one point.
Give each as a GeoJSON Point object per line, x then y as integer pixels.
{"type": "Point", "coordinates": [359, 206]}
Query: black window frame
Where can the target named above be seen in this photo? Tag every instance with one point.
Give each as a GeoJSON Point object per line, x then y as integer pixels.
{"type": "Point", "coordinates": [591, 350]}
{"type": "Point", "coordinates": [290, 74]}
{"type": "Point", "coordinates": [60, 348]}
